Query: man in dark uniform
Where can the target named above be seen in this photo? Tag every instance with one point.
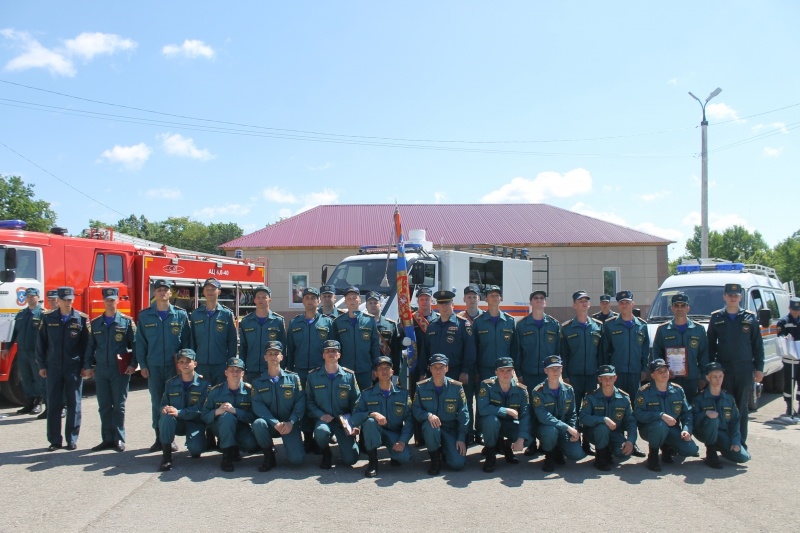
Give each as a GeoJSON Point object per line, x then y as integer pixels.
{"type": "Point", "coordinates": [52, 300]}
{"type": "Point", "coordinates": [686, 340]}
{"type": "Point", "coordinates": [258, 329]}
{"type": "Point", "coordinates": [734, 339]}
{"type": "Point", "coordinates": [327, 295]}
{"type": "Point", "coordinates": [626, 344]}
{"type": "Point", "coordinates": [471, 299]}
{"type": "Point", "coordinates": [61, 356]}
{"type": "Point", "coordinates": [358, 336]}
{"type": "Point", "coordinates": [24, 334]}
{"type": "Point", "coordinates": [213, 334]}
{"type": "Point", "coordinates": [112, 341]}
{"type": "Point", "coordinates": [389, 333]}
{"type": "Point", "coordinates": [790, 326]}
{"type": "Point", "coordinates": [605, 312]}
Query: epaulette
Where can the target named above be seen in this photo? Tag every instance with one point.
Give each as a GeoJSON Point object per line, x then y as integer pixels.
{"type": "Point", "coordinates": [566, 323]}
{"type": "Point", "coordinates": [84, 315]}
{"type": "Point", "coordinates": [423, 381]}
{"type": "Point", "coordinates": [622, 392]}
{"type": "Point", "coordinates": [539, 387]}
{"type": "Point", "coordinates": [367, 314]}
{"type": "Point", "coordinates": [123, 315]}
{"type": "Point", "coordinates": [645, 386]}
{"type": "Point", "coordinates": [550, 317]}
{"type": "Point", "coordinates": [521, 385]}
{"type": "Point", "coordinates": [279, 316]}
{"type": "Point", "coordinates": [675, 385]}
{"type": "Point", "coordinates": [199, 375]}
{"type": "Point", "coordinates": [342, 311]}
{"type": "Point", "coordinates": [567, 384]}
{"type": "Point", "coordinates": [218, 385]}
{"type": "Point", "coordinates": [748, 312]}
{"type": "Point", "coordinates": [314, 370]}
{"type": "Point", "coordinates": [598, 321]}
{"type": "Point", "coordinates": [454, 382]}
{"type": "Point", "coordinates": [47, 312]}
{"type": "Point", "coordinates": [346, 369]}
{"type": "Point", "coordinates": [490, 380]}
{"type": "Point", "coordinates": [290, 372]}
{"type": "Point", "coordinates": [389, 320]}
{"type": "Point", "coordinates": [247, 385]}
{"type": "Point", "coordinates": [368, 388]}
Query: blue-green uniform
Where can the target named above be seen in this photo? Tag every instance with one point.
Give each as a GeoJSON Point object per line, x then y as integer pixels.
{"type": "Point", "coordinates": [494, 338]}
{"type": "Point", "coordinates": [535, 341]}
{"type": "Point", "coordinates": [723, 431]}
{"type": "Point", "coordinates": [61, 350]}
{"type": "Point", "coordinates": [395, 405]}
{"type": "Point", "coordinates": [336, 395]}
{"type": "Point", "coordinates": [737, 344]}
{"type": "Point", "coordinates": [360, 345]}
{"type": "Point", "coordinates": [651, 404]}
{"type": "Point", "coordinates": [231, 430]}
{"type": "Point", "coordinates": [693, 338]}
{"type": "Point", "coordinates": [304, 343]}
{"type": "Point", "coordinates": [214, 340]}
{"type": "Point", "coordinates": [254, 334]}
{"type": "Point", "coordinates": [555, 412]}
{"type": "Point", "coordinates": [581, 346]}
{"type": "Point", "coordinates": [157, 342]}
{"type": "Point", "coordinates": [596, 407]}
{"type": "Point", "coordinates": [25, 333]}
{"type": "Point", "coordinates": [188, 398]}
{"type": "Point", "coordinates": [279, 399]}
{"type": "Point", "coordinates": [627, 348]}
{"type": "Point", "coordinates": [449, 403]}
{"type": "Point", "coordinates": [389, 341]}
{"type": "Point", "coordinates": [493, 404]}
{"type": "Point", "coordinates": [111, 336]}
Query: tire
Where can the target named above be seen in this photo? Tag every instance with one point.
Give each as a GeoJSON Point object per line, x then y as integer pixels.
{"type": "Point", "coordinates": [774, 382]}
{"type": "Point", "coordinates": [12, 389]}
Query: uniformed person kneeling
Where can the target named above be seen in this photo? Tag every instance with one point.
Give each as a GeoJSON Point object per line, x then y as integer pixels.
{"type": "Point", "coordinates": [384, 414]}
{"type": "Point", "coordinates": [184, 396]}
{"type": "Point", "coordinates": [279, 402]}
{"type": "Point", "coordinates": [504, 412]}
{"type": "Point", "coordinates": [716, 420]}
{"type": "Point", "coordinates": [228, 411]}
{"type": "Point", "coordinates": [331, 395]}
{"type": "Point", "coordinates": [607, 418]}
{"type": "Point", "coordinates": [664, 417]}
{"type": "Point", "coordinates": [556, 413]}
{"type": "Point", "coordinates": [441, 406]}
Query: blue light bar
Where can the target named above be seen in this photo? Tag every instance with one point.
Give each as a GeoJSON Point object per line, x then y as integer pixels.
{"type": "Point", "coordinates": [13, 224]}
{"type": "Point", "coordinates": [713, 267]}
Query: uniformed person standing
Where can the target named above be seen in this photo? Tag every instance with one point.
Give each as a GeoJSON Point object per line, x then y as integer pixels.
{"type": "Point", "coordinates": [664, 417]}
{"type": "Point", "coordinates": [790, 325]}
{"type": "Point", "coordinates": [607, 418]}
{"type": "Point", "coordinates": [112, 339]}
{"type": "Point", "coordinates": [471, 299]}
{"type": "Point", "coordinates": [605, 314]}
{"type": "Point", "coordinates": [181, 409]}
{"type": "Point", "coordinates": [327, 296]}
{"type": "Point", "coordinates": [52, 305]}
{"type": "Point", "coordinates": [422, 318]}
{"type": "Point", "coordinates": [61, 356]}
{"type": "Point", "coordinates": [441, 406]}
{"type": "Point", "coordinates": [257, 330]}
{"type": "Point", "coordinates": [557, 415]}
{"type": "Point", "coordinates": [581, 342]}
{"type": "Point", "coordinates": [228, 411]}
{"type": "Point", "coordinates": [384, 414]}
{"type": "Point", "coordinates": [358, 336]}
{"type": "Point", "coordinates": [213, 334]}
{"type": "Point", "coordinates": [388, 333]}
{"type": "Point", "coordinates": [716, 420]}
{"type": "Point", "coordinates": [304, 340]}
{"type": "Point", "coordinates": [734, 339]}
{"type": "Point", "coordinates": [163, 329]}
{"type": "Point", "coordinates": [504, 411]}
{"type": "Point", "coordinates": [279, 404]}
{"type": "Point", "coordinates": [626, 344]}
{"type": "Point", "coordinates": [331, 395]}
{"type": "Point", "coordinates": [685, 339]}
{"type": "Point", "coordinates": [24, 334]}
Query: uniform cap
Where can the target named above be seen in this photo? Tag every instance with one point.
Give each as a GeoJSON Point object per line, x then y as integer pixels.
{"type": "Point", "coordinates": [794, 304]}
{"type": "Point", "coordinates": [655, 364]}
{"type": "Point", "coordinates": [536, 293]}
{"type": "Point", "coordinates": [605, 297]}
{"type": "Point", "coordinates": [213, 282]}
{"type": "Point", "coordinates": [383, 360]}
{"type": "Point", "coordinates": [374, 296]}
{"type": "Point", "coordinates": [66, 293]}
{"type": "Point", "coordinates": [472, 288]}
{"type": "Point", "coordinates": [235, 362]}
{"type": "Point", "coordinates": [714, 365]}
{"type": "Point", "coordinates": [606, 370]}
{"type": "Point", "coordinates": [311, 290]}
{"type": "Point", "coordinates": [680, 298]}
{"type": "Point", "coordinates": [352, 288]}
{"type": "Point", "coordinates": [624, 295]}
{"type": "Point", "coordinates": [52, 293]}
{"type": "Point", "coordinates": [733, 288]}
{"type": "Point", "coordinates": [552, 360]}
{"type": "Point", "coordinates": [579, 295]}
{"type": "Point", "coordinates": [438, 359]}
{"type": "Point", "coordinates": [274, 345]}
{"type": "Point", "coordinates": [110, 293]}
{"type": "Point", "coordinates": [423, 291]}
{"type": "Point", "coordinates": [186, 352]}
{"type": "Point", "coordinates": [503, 362]}
{"type": "Point", "coordinates": [327, 289]}
{"type": "Point", "coordinates": [159, 283]}
{"type": "Point", "coordinates": [444, 296]}
{"type": "Point", "coordinates": [331, 345]}
{"type": "Point", "coordinates": [494, 288]}
{"type": "Point", "coordinates": [262, 288]}
{"type": "Point", "coordinates": [32, 291]}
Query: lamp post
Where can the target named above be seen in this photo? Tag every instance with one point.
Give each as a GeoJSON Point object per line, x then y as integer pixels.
{"type": "Point", "coordinates": [704, 179]}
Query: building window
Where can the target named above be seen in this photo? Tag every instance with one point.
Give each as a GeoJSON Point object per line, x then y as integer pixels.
{"type": "Point", "coordinates": [611, 281]}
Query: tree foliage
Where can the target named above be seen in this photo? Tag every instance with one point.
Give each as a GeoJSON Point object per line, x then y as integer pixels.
{"type": "Point", "coordinates": [786, 258]}
{"type": "Point", "coordinates": [17, 202]}
{"type": "Point", "coordinates": [733, 244]}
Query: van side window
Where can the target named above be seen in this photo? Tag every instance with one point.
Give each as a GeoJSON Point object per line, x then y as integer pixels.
{"type": "Point", "coordinates": [99, 268]}
{"type": "Point", "coordinates": [772, 304]}
{"type": "Point", "coordinates": [758, 302]}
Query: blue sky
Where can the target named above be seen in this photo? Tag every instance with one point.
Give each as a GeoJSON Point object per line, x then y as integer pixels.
{"type": "Point", "coordinates": [250, 111]}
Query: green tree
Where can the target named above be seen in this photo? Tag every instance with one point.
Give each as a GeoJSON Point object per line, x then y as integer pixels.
{"type": "Point", "coordinates": [786, 257]}
{"type": "Point", "coordinates": [17, 202]}
{"type": "Point", "coordinates": [733, 244]}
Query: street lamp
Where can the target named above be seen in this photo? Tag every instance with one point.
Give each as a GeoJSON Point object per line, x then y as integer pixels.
{"type": "Point", "coordinates": [704, 179]}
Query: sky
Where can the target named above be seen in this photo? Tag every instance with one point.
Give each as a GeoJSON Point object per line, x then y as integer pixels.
{"type": "Point", "coordinates": [247, 112]}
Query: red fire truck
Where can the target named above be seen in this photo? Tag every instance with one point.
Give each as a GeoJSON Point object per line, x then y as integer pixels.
{"type": "Point", "coordinates": [102, 259]}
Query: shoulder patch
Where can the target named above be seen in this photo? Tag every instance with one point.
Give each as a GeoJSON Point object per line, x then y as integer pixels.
{"type": "Point", "coordinates": [623, 392]}
{"type": "Point", "coordinates": [566, 323]}
{"type": "Point", "coordinates": [48, 311]}
{"type": "Point", "coordinates": [367, 314]}
{"type": "Point", "coordinates": [315, 370]}
{"type": "Point", "coordinates": [277, 315]}
{"type": "Point", "coordinates": [539, 387]}
{"type": "Point", "coordinates": [521, 385]}
{"type": "Point", "coordinates": [84, 315]}
{"type": "Point", "coordinates": [454, 382]}
{"type": "Point", "coordinates": [346, 369]}
{"type": "Point", "coordinates": [675, 385]}
{"type": "Point", "coordinates": [218, 385]}
{"type": "Point", "coordinates": [600, 323]}
{"type": "Point", "coordinates": [566, 384]}
{"type": "Point", "coordinates": [247, 386]}
{"type": "Point", "coordinates": [390, 321]}
{"type": "Point", "coordinates": [423, 381]}
{"type": "Point", "coordinates": [645, 386]}
{"type": "Point", "coordinates": [489, 381]}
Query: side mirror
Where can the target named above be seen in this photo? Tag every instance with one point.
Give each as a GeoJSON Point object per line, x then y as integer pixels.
{"type": "Point", "coordinates": [418, 274]}
{"type": "Point", "coordinates": [764, 317]}
{"type": "Point", "coordinates": [7, 276]}
{"type": "Point", "coordinates": [11, 259]}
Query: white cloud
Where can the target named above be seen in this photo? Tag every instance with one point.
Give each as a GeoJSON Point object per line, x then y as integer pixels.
{"type": "Point", "coordinates": [722, 112]}
{"type": "Point", "coordinates": [285, 213]}
{"type": "Point", "coordinates": [545, 185]}
{"type": "Point", "coordinates": [177, 144]}
{"type": "Point", "coordinates": [131, 157]}
{"type": "Point", "coordinates": [779, 126]}
{"type": "Point", "coordinates": [717, 221]}
{"type": "Point", "coordinates": [190, 48]}
{"type": "Point", "coordinates": [772, 152]}
{"type": "Point", "coordinates": [323, 197]}
{"type": "Point", "coordinates": [589, 211]}
{"type": "Point", "coordinates": [279, 196]}
{"type": "Point", "coordinates": [439, 197]}
{"type": "Point", "coordinates": [163, 194]}
{"type": "Point", "coordinates": [673, 81]}
{"type": "Point", "coordinates": [307, 200]}
{"type": "Point", "coordinates": [211, 212]}
{"type": "Point", "coordinates": [649, 197]}
{"type": "Point", "coordinates": [324, 166]}
{"type": "Point", "coordinates": [666, 233]}
{"type": "Point", "coordinates": [88, 45]}
{"type": "Point", "coordinates": [696, 181]}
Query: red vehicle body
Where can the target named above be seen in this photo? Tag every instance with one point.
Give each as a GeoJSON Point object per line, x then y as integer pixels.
{"type": "Point", "coordinates": [47, 261]}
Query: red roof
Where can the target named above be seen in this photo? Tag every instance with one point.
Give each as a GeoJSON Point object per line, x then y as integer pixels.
{"type": "Point", "coordinates": [351, 226]}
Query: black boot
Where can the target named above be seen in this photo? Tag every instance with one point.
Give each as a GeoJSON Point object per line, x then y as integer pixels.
{"type": "Point", "coordinates": [789, 412]}
{"type": "Point", "coordinates": [156, 444]}
{"type": "Point", "coordinates": [712, 458]}
{"type": "Point", "coordinates": [549, 464]}
{"type": "Point", "coordinates": [327, 458]}
{"type": "Point", "coordinates": [27, 408]}
{"type": "Point", "coordinates": [227, 460]}
{"type": "Point", "coordinates": [652, 460]}
{"type": "Point", "coordinates": [43, 414]}
{"type": "Point", "coordinates": [211, 440]}
{"type": "Point", "coordinates": [586, 445]}
{"type": "Point", "coordinates": [637, 452]}
{"type": "Point", "coordinates": [666, 455]}
{"type": "Point", "coordinates": [236, 454]}
{"type": "Point", "coordinates": [601, 460]}
{"type": "Point", "coordinates": [269, 460]}
{"type": "Point", "coordinates": [491, 459]}
{"type": "Point", "coordinates": [558, 456]}
{"type": "Point", "coordinates": [531, 450]}
{"type": "Point", "coordinates": [37, 406]}
{"type": "Point", "coordinates": [436, 462]}
{"type": "Point", "coordinates": [509, 453]}
{"type": "Point", "coordinates": [372, 466]}
{"type": "Point", "coordinates": [609, 456]}
{"type": "Point", "coordinates": [166, 458]}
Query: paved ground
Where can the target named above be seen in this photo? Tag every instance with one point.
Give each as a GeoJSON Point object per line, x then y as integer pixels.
{"type": "Point", "coordinates": [85, 491]}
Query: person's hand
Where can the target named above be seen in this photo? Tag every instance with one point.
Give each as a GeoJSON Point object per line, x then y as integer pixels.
{"type": "Point", "coordinates": [513, 413]}
{"type": "Point", "coordinates": [461, 446]}
{"type": "Point", "coordinates": [574, 436]}
{"type": "Point", "coordinates": [434, 421]}
{"type": "Point", "coordinates": [735, 448]}
{"type": "Point", "coordinates": [758, 375]}
{"type": "Point", "coordinates": [145, 373]}
{"type": "Point", "coordinates": [169, 410]}
{"type": "Point", "coordinates": [284, 428]}
{"type": "Point", "coordinates": [610, 423]}
{"type": "Point", "coordinates": [399, 446]}
{"type": "Point", "coordinates": [43, 372]}
{"type": "Point", "coordinates": [87, 373]}
{"type": "Point", "coordinates": [379, 418]}
{"type": "Point", "coordinates": [712, 414]}
{"type": "Point", "coordinates": [518, 445]}
{"type": "Point", "coordinates": [627, 447]}
{"type": "Point", "coordinates": [130, 371]}
{"type": "Point", "coordinates": [326, 418]}
{"type": "Point", "coordinates": [685, 435]}
{"type": "Point", "coordinates": [668, 419]}
{"type": "Point", "coordinates": [463, 378]}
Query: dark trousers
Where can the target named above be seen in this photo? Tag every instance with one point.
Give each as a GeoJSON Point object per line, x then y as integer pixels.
{"type": "Point", "coordinates": [64, 384]}
{"type": "Point", "coordinates": [112, 391]}
{"type": "Point", "coordinates": [739, 383]}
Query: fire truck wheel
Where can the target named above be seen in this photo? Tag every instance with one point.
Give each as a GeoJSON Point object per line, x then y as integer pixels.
{"type": "Point", "coordinates": [12, 389]}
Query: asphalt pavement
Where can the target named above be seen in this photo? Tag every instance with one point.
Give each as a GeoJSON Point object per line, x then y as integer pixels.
{"type": "Point", "coordinates": [84, 491]}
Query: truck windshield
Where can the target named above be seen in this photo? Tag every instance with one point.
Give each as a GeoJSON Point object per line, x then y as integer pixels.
{"type": "Point", "coordinates": [366, 275]}
{"type": "Point", "coordinates": [702, 302]}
